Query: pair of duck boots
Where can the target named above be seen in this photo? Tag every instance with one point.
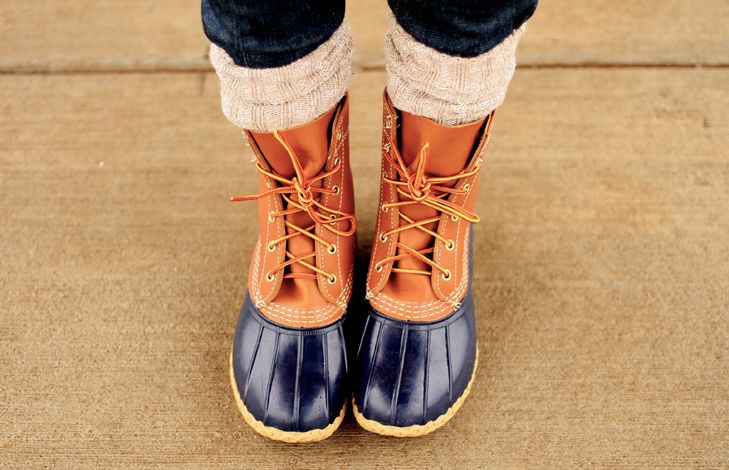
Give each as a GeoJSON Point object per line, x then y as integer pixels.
{"type": "Point", "coordinates": [414, 353]}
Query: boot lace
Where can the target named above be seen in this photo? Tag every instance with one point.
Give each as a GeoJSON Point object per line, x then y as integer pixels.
{"type": "Point", "coordinates": [415, 187]}
{"type": "Point", "coordinates": [300, 195]}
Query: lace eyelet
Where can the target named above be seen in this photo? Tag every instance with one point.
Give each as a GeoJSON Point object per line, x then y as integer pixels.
{"type": "Point", "coordinates": [332, 280]}
{"type": "Point", "coordinates": [388, 121]}
{"type": "Point", "coordinates": [383, 237]}
{"type": "Point", "coordinates": [271, 216]}
{"type": "Point", "coordinates": [446, 275]}
{"type": "Point", "coordinates": [271, 246]}
{"type": "Point", "coordinates": [466, 187]}
{"type": "Point", "coordinates": [336, 162]}
{"type": "Point", "coordinates": [339, 135]}
{"type": "Point", "coordinates": [379, 268]}
{"type": "Point", "coordinates": [450, 245]}
{"type": "Point", "coordinates": [384, 208]}
{"type": "Point", "coordinates": [336, 189]}
{"type": "Point", "coordinates": [454, 218]}
{"type": "Point", "coordinates": [269, 278]}
{"type": "Point", "coordinates": [332, 249]}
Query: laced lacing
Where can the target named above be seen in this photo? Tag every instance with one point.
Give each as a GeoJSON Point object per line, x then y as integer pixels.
{"type": "Point", "coordinates": [300, 195]}
{"type": "Point", "coordinates": [416, 187]}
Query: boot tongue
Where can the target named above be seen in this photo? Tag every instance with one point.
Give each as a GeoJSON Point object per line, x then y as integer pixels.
{"type": "Point", "coordinates": [450, 147]}
{"type": "Point", "coordinates": [449, 151]}
{"type": "Point", "coordinates": [310, 143]}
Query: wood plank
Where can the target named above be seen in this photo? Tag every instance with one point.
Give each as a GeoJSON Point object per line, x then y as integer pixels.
{"type": "Point", "coordinates": [564, 32]}
{"type": "Point", "coordinates": [66, 35]}
{"type": "Point", "coordinates": [602, 280]}
{"type": "Point", "coordinates": [628, 32]}
{"type": "Point", "coordinates": [70, 35]}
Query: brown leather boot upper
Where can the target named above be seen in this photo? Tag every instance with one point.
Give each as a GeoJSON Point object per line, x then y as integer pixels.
{"type": "Point", "coordinates": [301, 273]}
{"type": "Point", "coordinates": [419, 266]}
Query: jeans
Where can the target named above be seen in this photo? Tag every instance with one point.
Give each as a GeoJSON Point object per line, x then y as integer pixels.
{"type": "Point", "coordinates": [273, 33]}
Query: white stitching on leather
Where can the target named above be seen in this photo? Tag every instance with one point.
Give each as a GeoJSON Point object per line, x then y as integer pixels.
{"type": "Point", "coordinates": [375, 243]}
{"type": "Point", "coordinates": [300, 316]}
{"type": "Point", "coordinates": [471, 180]}
{"type": "Point", "coordinates": [386, 138]}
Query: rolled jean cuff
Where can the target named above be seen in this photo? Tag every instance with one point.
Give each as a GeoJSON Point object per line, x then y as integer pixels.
{"type": "Point", "coordinates": [270, 33]}
{"type": "Point", "coordinates": [284, 97]}
{"type": "Point", "coordinates": [447, 89]}
{"type": "Point", "coordinates": [463, 28]}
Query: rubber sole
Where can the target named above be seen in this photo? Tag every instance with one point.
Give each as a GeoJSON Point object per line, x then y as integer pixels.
{"type": "Point", "coordinates": [292, 437]}
{"type": "Point", "coordinates": [416, 429]}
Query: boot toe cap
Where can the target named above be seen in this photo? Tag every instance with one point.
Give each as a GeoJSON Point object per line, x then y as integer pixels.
{"type": "Point", "coordinates": [289, 379]}
{"type": "Point", "coordinates": [410, 374]}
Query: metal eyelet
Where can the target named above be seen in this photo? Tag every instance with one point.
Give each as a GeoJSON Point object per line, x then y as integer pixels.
{"type": "Point", "coordinates": [332, 280]}
{"type": "Point", "coordinates": [450, 245]}
{"type": "Point", "coordinates": [379, 268]}
{"type": "Point", "coordinates": [454, 218]}
{"type": "Point", "coordinates": [339, 135]}
{"type": "Point", "coordinates": [384, 208]}
{"type": "Point", "coordinates": [271, 216]}
{"type": "Point", "coordinates": [388, 121]}
{"type": "Point", "coordinates": [332, 249]}
{"type": "Point", "coordinates": [466, 187]}
{"type": "Point", "coordinates": [446, 275]}
{"type": "Point", "coordinates": [336, 189]}
{"type": "Point", "coordinates": [336, 161]}
{"type": "Point", "coordinates": [383, 237]}
{"type": "Point", "coordinates": [271, 246]}
{"type": "Point", "coordinates": [269, 278]}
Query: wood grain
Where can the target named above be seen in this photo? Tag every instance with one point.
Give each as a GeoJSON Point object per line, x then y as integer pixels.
{"type": "Point", "coordinates": [602, 281]}
{"type": "Point", "coordinates": [596, 32]}
{"type": "Point", "coordinates": [104, 35]}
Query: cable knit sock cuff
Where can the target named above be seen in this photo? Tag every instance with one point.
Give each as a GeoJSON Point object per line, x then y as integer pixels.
{"type": "Point", "coordinates": [289, 96]}
{"type": "Point", "coordinates": [447, 89]}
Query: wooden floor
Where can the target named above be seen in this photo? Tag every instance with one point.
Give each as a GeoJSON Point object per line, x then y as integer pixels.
{"type": "Point", "coordinates": [603, 253]}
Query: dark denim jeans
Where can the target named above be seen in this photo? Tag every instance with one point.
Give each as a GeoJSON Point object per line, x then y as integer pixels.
{"type": "Point", "coordinates": [272, 33]}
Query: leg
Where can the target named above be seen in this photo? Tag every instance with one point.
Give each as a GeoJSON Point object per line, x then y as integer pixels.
{"type": "Point", "coordinates": [284, 67]}
{"type": "Point", "coordinates": [452, 61]}
{"type": "Point", "coordinates": [448, 66]}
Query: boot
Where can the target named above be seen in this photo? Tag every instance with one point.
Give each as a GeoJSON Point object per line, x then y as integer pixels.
{"type": "Point", "coordinates": [417, 358]}
{"type": "Point", "coordinates": [288, 365]}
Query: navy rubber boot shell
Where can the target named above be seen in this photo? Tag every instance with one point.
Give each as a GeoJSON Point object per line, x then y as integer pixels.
{"type": "Point", "coordinates": [294, 380]}
{"type": "Point", "coordinates": [412, 373]}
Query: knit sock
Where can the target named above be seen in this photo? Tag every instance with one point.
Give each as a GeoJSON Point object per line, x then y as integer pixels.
{"type": "Point", "coordinates": [447, 89]}
{"type": "Point", "coordinates": [289, 96]}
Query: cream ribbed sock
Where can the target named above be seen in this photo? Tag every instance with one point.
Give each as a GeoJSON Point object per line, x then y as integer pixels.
{"type": "Point", "coordinates": [447, 89]}
{"type": "Point", "coordinates": [288, 96]}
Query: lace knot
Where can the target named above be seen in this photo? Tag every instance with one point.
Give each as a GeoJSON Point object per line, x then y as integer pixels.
{"type": "Point", "coordinates": [303, 192]}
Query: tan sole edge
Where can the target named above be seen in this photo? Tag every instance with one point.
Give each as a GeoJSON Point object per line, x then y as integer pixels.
{"type": "Point", "coordinates": [416, 429]}
{"type": "Point", "coordinates": [276, 434]}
